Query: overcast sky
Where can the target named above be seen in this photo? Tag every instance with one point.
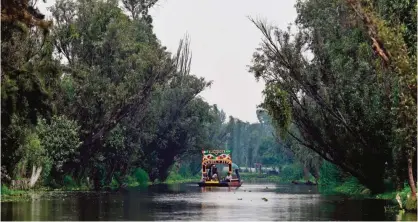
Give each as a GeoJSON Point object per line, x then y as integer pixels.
{"type": "Point", "coordinates": [222, 43]}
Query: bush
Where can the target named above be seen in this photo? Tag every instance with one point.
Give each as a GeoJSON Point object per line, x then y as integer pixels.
{"type": "Point", "coordinates": [5, 190]}
{"type": "Point", "coordinates": [138, 177]}
{"type": "Point", "coordinates": [68, 182]}
{"type": "Point", "coordinates": [60, 140]}
{"type": "Point", "coordinates": [114, 184]}
{"type": "Point", "coordinates": [131, 181]}
{"type": "Point", "coordinates": [184, 171]}
{"type": "Point", "coordinates": [174, 177]}
{"type": "Point", "coordinates": [411, 204]}
{"type": "Point", "coordinates": [331, 177]}
{"type": "Point", "coordinates": [141, 176]}
{"type": "Point", "coordinates": [408, 201]}
{"type": "Point", "coordinates": [352, 187]}
{"type": "Point", "coordinates": [292, 172]}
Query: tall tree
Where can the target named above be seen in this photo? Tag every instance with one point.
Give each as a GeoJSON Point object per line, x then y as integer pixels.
{"type": "Point", "coordinates": [29, 77]}
{"type": "Point", "coordinates": [114, 64]}
{"type": "Point", "coordinates": [338, 100]}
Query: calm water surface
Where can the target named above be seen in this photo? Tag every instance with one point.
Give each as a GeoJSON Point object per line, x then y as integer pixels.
{"type": "Point", "coordinates": [189, 202]}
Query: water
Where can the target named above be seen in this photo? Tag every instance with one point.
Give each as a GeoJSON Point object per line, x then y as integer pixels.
{"type": "Point", "coordinates": [189, 202]}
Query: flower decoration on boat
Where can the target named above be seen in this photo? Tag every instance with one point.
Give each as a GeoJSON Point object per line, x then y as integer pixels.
{"type": "Point", "coordinates": [208, 157]}
{"type": "Point", "coordinates": [223, 157]}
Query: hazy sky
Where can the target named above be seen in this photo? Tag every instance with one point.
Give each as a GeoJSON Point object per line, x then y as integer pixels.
{"type": "Point", "coordinates": [222, 43]}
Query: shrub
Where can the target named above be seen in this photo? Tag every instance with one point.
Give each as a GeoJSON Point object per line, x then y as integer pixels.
{"type": "Point", "coordinates": [68, 182]}
{"type": "Point", "coordinates": [292, 172]}
{"type": "Point", "coordinates": [411, 204]}
{"type": "Point", "coordinates": [60, 140]}
{"type": "Point", "coordinates": [172, 176]}
{"type": "Point", "coordinates": [331, 177]}
{"type": "Point", "coordinates": [184, 171]}
{"type": "Point", "coordinates": [5, 190]}
{"type": "Point", "coordinates": [114, 184]}
{"type": "Point", "coordinates": [352, 187]}
{"type": "Point", "coordinates": [141, 176]}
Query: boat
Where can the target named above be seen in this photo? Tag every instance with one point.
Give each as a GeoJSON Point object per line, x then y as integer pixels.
{"type": "Point", "coordinates": [223, 157]}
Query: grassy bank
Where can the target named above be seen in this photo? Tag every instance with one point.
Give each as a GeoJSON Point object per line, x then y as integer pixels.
{"type": "Point", "coordinates": [349, 187]}
{"type": "Point", "coordinates": [334, 181]}
{"type": "Point", "coordinates": [174, 177]}
{"type": "Point", "coordinates": [17, 195]}
{"type": "Point", "coordinates": [354, 190]}
{"type": "Point", "coordinates": [255, 177]}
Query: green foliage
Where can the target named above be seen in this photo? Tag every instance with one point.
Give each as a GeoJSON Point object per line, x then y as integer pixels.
{"type": "Point", "coordinates": [141, 176]}
{"type": "Point", "coordinates": [277, 103]}
{"type": "Point", "coordinates": [340, 101]}
{"type": "Point", "coordinates": [68, 182]}
{"type": "Point", "coordinates": [34, 152]}
{"type": "Point", "coordinates": [114, 184]}
{"type": "Point", "coordinates": [5, 190]}
{"type": "Point", "coordinates": [138, 177]}
{"type": "Point", "coordinates": [334, 181]}
{"type": "Point", "coordinates": [61, 141]}
{"type": "Point", "coordinates": [292, 172]}
{"type": "Point", "coordinates": [124, 102]}
{"type": "Point", "coordinates": [253, 177]}
{"type": "Point", "coordinates": [12, 195]}
{"type": "Point", "coordinates": [352, 187]}
{"type": "Point", "coordinates": [411, 204]}
{"type": "Point", "coordinates": [28, 79]}
{"type": "Point", "coordinates": [331, 177]}
{"type": "Point", "coordinates": [174, 177]}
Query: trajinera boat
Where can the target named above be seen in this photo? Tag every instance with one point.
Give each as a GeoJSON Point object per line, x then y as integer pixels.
{"type": "Point", "coordinates": [210, 174]}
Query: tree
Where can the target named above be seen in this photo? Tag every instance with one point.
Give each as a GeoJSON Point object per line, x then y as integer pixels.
{"type": "Point", "coordinates": [29, 75]}
{"type": "Point", "coordinates": [338, 100]}
{"type": "Point", "coordinates": [24, 12]}
{"type": "Point", "coordinates": [61, 142]}
{"type": "Point", "coordinates": [115, 64]}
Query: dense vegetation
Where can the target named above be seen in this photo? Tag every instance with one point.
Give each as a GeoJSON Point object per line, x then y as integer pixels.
{"type": "Point", "coordinates": [93, 99]}
{"type": "Point", "coordinates": [344, 86]}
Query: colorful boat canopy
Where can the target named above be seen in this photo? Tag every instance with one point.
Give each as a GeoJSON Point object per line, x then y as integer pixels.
{"type": "Point", "coordinates": [210, 162]}
{"type": "Point", "coordinates": [216, 157]}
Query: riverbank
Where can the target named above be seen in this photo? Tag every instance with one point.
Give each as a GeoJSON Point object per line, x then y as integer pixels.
{"type": "Point", "coordinates": [350, 189]}
{"type": "Point", "coordinates": [8, 194]}
{"type": "Point", "coordinates": [255, 177]}
{"type": "Point", "coordinates": [179, 203]}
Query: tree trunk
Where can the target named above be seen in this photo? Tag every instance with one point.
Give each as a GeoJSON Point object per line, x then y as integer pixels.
{"type": "Point", "coordinates": [411, 179]}
{"type": "Point", "coordinates": [315, 173]}
{"type": "Point", "coordinates": [36, 173]}
{"type": "Point", "coordinates": [109, 175]}
{"type": "Point", "coordinates": [305, 173]}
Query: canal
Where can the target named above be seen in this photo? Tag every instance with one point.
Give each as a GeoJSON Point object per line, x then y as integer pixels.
{"type": "Point", "coordinates": [258, 201]}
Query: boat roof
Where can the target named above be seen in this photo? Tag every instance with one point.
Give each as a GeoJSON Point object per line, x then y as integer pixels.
{"type": "Point", "coordinates": [216, 157]}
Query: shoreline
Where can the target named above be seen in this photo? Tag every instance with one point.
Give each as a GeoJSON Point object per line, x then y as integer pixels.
{"type": "Point", "coordinates": [10, 195]}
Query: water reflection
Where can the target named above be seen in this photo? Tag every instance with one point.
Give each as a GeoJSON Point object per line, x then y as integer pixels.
{"type": "Point", "coordinates": [190, 202]}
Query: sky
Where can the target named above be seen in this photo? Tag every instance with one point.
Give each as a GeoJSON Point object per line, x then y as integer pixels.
{"type": "Point", "coordinates": [222, 41]}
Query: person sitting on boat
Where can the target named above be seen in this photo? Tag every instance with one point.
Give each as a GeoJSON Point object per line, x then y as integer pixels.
{"type": "Point", "coordinates": [204, 177]}
{"type": "Point", "coordinates": [215, 173]}
{"type": "Point", "coordinates": [215, 176]}
{"type": "Point", "coordinates": [228, 178]}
